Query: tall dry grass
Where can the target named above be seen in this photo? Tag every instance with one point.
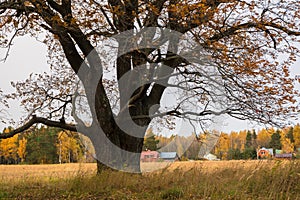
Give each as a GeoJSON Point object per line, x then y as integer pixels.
{"type": "Point", "coordinates": [181, 180]}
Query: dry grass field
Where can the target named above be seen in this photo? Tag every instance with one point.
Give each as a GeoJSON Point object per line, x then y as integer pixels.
{"type": "Point", "coordinates": [179, 180]}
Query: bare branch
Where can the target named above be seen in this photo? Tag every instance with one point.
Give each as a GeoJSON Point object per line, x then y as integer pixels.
{"type": "Point", "coordinates": [38, 120]}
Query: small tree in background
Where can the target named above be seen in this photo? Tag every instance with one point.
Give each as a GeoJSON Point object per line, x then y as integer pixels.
{"type": "Point", "coordinates": [68, 147]}
{"type": "Point", "coordinates": [249, 152]}
{"type": "Point", "coordinates": [8, 149]}
{"type": "Point", "coordinates": [254, 139]}
{"type": "Point", "coordinates": [290, 135]}
{"type": "Point", "coordinates": [249, 139]}
{"type": "Point", "coordinates": [22, 149]}
{"type": "Point", "coordinates": [275, 142]}
{"type": "Point", "coordinates": [150, 142]}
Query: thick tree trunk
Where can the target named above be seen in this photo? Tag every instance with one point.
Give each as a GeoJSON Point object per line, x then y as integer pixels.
{"type": "Point", "coordinates": [119, 152]}
{"type": "Point", "coordinates": [118, 140]}
{"type": "Point", "coordinates": [102, 167]}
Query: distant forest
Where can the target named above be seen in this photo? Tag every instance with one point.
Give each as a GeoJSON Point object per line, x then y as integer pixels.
{"type": "Point", "coordinates": [46, 145]}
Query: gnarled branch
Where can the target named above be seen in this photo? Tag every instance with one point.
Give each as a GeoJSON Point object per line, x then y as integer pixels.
{"type": "Point", "coordinates": [38, 120]}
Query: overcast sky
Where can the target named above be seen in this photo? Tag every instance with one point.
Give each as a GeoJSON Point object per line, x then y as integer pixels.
{"type": "Point", "coordinates": [29, 56]}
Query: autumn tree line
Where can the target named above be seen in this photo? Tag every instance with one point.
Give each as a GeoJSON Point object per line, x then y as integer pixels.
{"type": "Point", "coordinates": [244, 144]}
{"type": "Point", "coordinates": [45, 145]}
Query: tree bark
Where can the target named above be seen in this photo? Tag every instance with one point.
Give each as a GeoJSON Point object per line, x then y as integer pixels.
{"type": "Point", "coordinates": [118, 151]}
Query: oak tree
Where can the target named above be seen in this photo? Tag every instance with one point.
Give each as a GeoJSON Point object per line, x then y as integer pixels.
{"type": "Point", "coordinates": [250, 43]}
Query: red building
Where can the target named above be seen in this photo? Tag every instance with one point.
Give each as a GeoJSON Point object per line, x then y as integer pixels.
{"type": "Point", "coordinates": [264, 153]}
{"type": "Point", "coordinates": [149, 156]}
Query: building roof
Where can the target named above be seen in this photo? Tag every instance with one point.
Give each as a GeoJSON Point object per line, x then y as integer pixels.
{"type": "Point", "coordinates": [284, 155]}
{"type": "Point", "coordinates": [168, 155]}
{"type": "Point", "coordinates": [149, 152]}
{"type": "Point", "coordinates": [270, 150]}
{"type": "Point", "coordinates": [210, 156]}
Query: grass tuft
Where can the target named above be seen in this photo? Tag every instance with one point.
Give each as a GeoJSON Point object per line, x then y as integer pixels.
{"type": "Point", "coordinates": [172, 194]}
